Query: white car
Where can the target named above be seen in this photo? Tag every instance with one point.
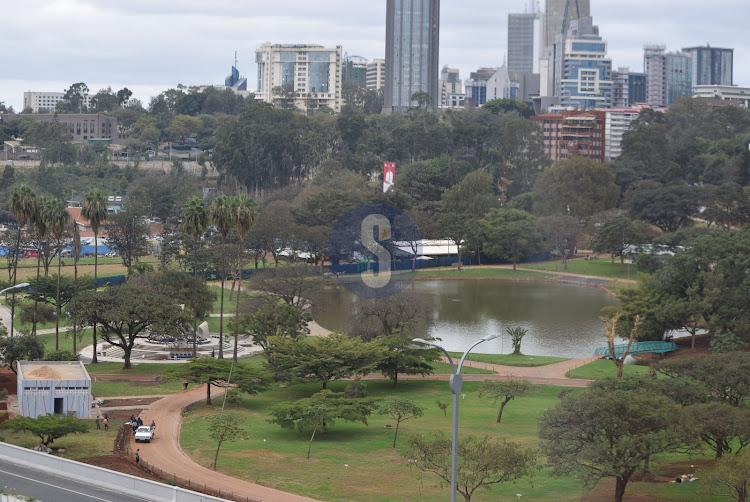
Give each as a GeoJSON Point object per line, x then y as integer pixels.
{"type": "Point", "coordinates": [144, 433]}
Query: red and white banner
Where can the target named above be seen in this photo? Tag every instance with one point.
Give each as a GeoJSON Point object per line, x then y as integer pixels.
{"type": "Point", "coordinates": [389, 175]}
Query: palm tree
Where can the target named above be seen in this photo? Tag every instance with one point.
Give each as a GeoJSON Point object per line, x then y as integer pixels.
{"type": "Point", "coordinates": [95, 210]}
{"type": "Point", "coordinates": [76, 257]}
{"type": "Point", "coordinates": [40, 219]}
{"type": "Point", "coordinates": [194, 223]}
{"type": "Point", "coordinates": [245, 212]}
{"type": "Point", "coordinates": [59, 219]}
{"type": "Point", "coordinates": [22, 204]}
{"type": "Point", "coordinates": [223, 216]}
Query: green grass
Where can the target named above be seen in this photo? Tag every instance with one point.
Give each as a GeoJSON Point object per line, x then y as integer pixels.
{"type": "Point", "coordinates": [604, 368]}
{"type": "Point", "coordinates": [510, 359]}
{"type": "Point", "coordinates": [95, 443]}
{"type": "Point", "coordinates": [481, 272]}
{"type": "Point", "coordinates": [600, 267]}
{"type": "Point", "coordinates": [112, 389]}
{"type": "Point", "coordinates": [445, 369]}
{"type": "Point", "coordinates": [276, 457]}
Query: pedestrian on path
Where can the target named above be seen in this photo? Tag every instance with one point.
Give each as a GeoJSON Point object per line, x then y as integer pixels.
{"type": "Point", "coordinates": [98, 425]}
{"type": "Point", "coordinates": [184, 385]}
{"type": "Point", "coordinates": [137, 457]}
{"type": "Point", "coordinates": [106, 423]}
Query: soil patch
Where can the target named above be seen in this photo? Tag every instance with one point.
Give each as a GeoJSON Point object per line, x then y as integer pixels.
{"type": "Point", "coordinates": [118, 464]}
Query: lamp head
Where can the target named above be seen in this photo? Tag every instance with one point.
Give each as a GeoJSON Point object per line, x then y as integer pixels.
{"type": "Point", "coordinates": [422, 341]}
{"type": "Point", "coordinates": [491, 337]}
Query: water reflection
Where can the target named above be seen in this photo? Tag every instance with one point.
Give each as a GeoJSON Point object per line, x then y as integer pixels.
{"type": "Point", "coordinates": [561, 319]}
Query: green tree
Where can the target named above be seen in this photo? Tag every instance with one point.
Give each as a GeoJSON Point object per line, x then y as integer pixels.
{"type": "Point", "coordinates": [669, 207]}
{"type": "Point", "coordinates": [222, 215]}
{"type": "Point", "coordinates": [600, 434]}
{"type": "Point", "coordinates": [399, 409]}
{"type": "Point", "coordinates": [22, 204]}
{"type": "Point", "coordinates": [40, 220]}
{"type": "Point", "coordinates": [273, 318]}
{"type": "Point", "coordinates": [509, 235]}
{"type": "Point", "coordinates": [578, 187]}
{"type": "Point", "coordinates": [403, 358]}
{"type": "Point", "coordinates": [215, 372]}
{"type": "Point", "coordinates": [59, 221]}
{"type": "Point", "coordinates": [321, 359]}
{"type": "Point", "coordinates": [516, 334]}
{"type": "Point", "coordinates": [244, 220]}
{"type": "Point", "coordinates": [320, 411]}
{"type": "Point", "coordinates": [127, 313]}
{"type": "Point", "coordinates": [227, 426]}
{"type": "Point", "coordinates": [481, 461]}
{"type": "Point", "coordinates": [721, 426]}
{"type": "Point", "coordinates": [95, 210]}
{"type": "Point", "coordinates": [730, 477]}
{"type": "Point", "coordinates": [505, 391]}
{"type": "Point", "coordinates": [194, 223]}
{"type": "Point", "coordinates": [48, 427]}
{"type": "Point", "coordinates": [506, 105]}
{"type": "Point", "coordinates": [180, 287]}
{"type": "Point", "coordinates": [74, 99]}
{"type": "Point", "coordinates": [25, 347]}
{"type": "Point", "coordinates": [616, 236]}
{"type": "Point", "coordinates": [725, 376]}
{"type": "Point", "coordinates": [728, 205]}
{"type": "Point", "coordinates": [561, 233]}
{"type": "Point", "coordinates": [127, 233]}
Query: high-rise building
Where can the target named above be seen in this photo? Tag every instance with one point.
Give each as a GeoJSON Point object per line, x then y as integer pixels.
{"type": "Point", "coordinates": [39, 100]}
{"type": "Point", "coordinates": [711, 65]}
{"type": "Point", "coordinates": [308, 74]}
{"type": "Point", "coordinates": [557, 17]}
{"type": "Point", "coordinates": [668, 75]}
{"type": "Point", "coordinates": [235, 81]}
{"type": "Point", "coordinates": [411, 52]}
{"type": "Point", "coordinates": [572, 133]}
{"type": "Point", "coordinates": [586, 71]}
{"type": "Point", "coordinates": [376, 74]}
{"type": "Point", "coordinates": [524, 42]}
{"type": "Point", "coordinates": [476, 86]}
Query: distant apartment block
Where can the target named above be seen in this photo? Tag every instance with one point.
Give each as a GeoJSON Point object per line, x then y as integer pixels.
{"type": "Point", "coordinates": [83, 127]}
{"type": "Point", "coordinates": [376, 74]}
{"type": "Point", "coordinates": [354, 71]}
{"type": "Point", "coordinates": [46, 100]}
{"type": "Point", "coordinates": [573, 133]}
{"type": "Point", "coordinates": [617, 123]}
{"type": "Point", "coordinates": [711, 65]}
{"type": "Point", "coordinates": [668, 75]}
{"type": "Point", "coordinates": [628, 88]}
{"type": "Point", "coordinates": [451, 88]}
{"type": "Point", "coordinates": [311, 72]}
{"type": "Point", "coordinates": [729, 93]}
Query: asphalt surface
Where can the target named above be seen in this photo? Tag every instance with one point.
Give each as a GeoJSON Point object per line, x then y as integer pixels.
{"type": "Point", "coordinates": [46, 487]}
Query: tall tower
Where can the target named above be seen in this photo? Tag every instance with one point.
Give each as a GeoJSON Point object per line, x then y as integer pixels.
{"type": "Point", "coordinates": [412, 39]}
{"type": "Point", "coordinates": [711, 65]}
{"type": "Point", "coordinates": [559, 13]}
{"type": "Point", "coordinates": [524, 42]}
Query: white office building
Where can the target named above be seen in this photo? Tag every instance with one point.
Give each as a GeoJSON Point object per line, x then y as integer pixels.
{"type": "Point", "coordinates": [311, 72]}
{"type": "Point", "coordinates": [46, 100]}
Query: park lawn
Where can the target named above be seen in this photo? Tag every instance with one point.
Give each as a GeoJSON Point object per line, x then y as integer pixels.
{"type": "Point", "coordinates": [480, 272]}
{"type": "Point", "coordinates": [604, 368]}
{"type": "Point", "coordinates": [445, 369]}
{"type": "Point", "coordinates": [376, 472]}
{"type": "Point", "coordinates": [134, 388]}
{"type": "Point", "coordinates": [600, 267]}
{"type": "Point", "coordinates": [95, 443]}
{"type": "Point", "coordinates": [510, 359]}
{"type": "Point", "coordinates": [66, 340]}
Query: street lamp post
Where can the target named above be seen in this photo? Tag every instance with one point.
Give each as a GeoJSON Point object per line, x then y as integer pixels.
{"type": "Point", "coordinates": [456, 382]}
{"type": "Point", "coordinates": [17, 286]}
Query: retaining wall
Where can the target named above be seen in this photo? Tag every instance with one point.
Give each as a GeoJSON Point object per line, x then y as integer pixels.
{"type": "Point", "coordinates": [89, 474]}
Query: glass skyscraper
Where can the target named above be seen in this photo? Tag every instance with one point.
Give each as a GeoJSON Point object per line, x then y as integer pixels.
{"type": "Point", "coordinates": [411, 52]}
{"type": "Point", "coordinates": [711, 65]}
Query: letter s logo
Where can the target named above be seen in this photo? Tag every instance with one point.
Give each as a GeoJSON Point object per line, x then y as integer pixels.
{"type": "Point", "coordinates": [382, 275]}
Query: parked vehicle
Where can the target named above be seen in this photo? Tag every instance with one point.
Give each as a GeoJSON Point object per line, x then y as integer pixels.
{"type": "Point", "coordinates": [144, 433]}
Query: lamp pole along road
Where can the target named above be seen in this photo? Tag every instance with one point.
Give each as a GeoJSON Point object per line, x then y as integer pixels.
{"type": "Point", "coordinates": [456, 382]}
{"type": "Point", "coordinates": [17, 286]}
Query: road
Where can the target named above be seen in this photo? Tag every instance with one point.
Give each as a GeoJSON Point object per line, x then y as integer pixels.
{"type": "Point", "coordinates": [47, 487]}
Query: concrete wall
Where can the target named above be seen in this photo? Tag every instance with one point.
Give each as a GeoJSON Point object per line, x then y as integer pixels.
{"type": "Point", "coordinates": [148, 490]}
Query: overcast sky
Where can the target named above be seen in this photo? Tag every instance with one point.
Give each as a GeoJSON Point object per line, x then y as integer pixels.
{"type": "Point", "coordinates": [152, 45]}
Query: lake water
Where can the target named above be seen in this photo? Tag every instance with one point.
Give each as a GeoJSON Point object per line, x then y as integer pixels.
{"type": "Point", "coordinates": [562, 319]}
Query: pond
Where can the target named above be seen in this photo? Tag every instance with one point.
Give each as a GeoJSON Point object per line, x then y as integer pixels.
{"type": "Point", "coordinates": [562, 319]}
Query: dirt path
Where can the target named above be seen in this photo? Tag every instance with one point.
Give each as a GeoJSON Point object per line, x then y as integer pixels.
{"type": "Point", "coordinates": [165, 452]}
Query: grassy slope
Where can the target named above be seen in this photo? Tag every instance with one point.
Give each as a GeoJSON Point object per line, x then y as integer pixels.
{"type": "Point", "coordinates": [480, 272]}
{"type": "Point", "coordinates": [601, 267]}
{"type": "Point", "coordinates": [510, 359]}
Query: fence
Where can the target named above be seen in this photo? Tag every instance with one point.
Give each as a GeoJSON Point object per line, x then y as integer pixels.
{"type": "Point", "coordinates": [124, 449]}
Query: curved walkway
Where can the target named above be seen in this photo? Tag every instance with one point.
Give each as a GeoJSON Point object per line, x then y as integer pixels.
{"type": "Point", "coordinates": [165, 452]}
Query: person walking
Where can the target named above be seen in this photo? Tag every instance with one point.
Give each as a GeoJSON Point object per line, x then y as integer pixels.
{"type": "Point", "coordinates": [98, 424]}
{"type": "Point", "coordinates": [138, 456]}
{"type": "Point", "coordinates": [106, 423]}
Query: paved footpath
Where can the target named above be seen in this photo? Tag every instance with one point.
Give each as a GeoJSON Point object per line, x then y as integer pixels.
{"type": "Point", "coordinates": [165, 452]}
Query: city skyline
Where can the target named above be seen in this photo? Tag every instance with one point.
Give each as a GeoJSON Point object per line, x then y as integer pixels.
{"type": "Point", "coordinates": [149, 47]}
